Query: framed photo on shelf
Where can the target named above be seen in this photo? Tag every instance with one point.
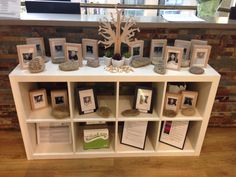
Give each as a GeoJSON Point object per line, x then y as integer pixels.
{"type": "Point", "coordinates": [200, 55]}
{"type": "Point", "coordinates": [59, 98]}
{"type": "Point", "coordinates": [174, 133]}
{"type": "Point", "coordinates": [39, 42]}
{"type": "Point", "coordinates": [173, 57]}
{"type": "Point", "coordinates": [38, 99]}
{"type": "Point", "coordinates": [157, 51]}
{"type": "Point", "coordinates": [197, 42]}
{"type": "Point", "coordinates": [189, 99]}
{"type": "Point", "coordinates": [134, 134]}
{"type": "Point", "coordinates": [25, 54]}
{"type": "Point", "coordinates": [53, 133]}
{"type": "Point", "coordinates": [172, 101]}
{"type": "Point", "coordinates": [87, 100]}
{"type": "Point", "coordinates": [136, 48]}
{"type": "Point", "coordinates": [186, 45]}
{"type": "Point", "coordinates": [57, 48]}
{"type": "Point", "coordinates": [143, 100]}
{"type": "Point", "coordinates": [90, 48]}
{"type": "Point", "coordinates": [73, 52]}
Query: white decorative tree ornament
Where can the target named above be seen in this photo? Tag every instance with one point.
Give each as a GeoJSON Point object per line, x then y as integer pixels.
{"type": "Point", "coordinates": [111, 31]}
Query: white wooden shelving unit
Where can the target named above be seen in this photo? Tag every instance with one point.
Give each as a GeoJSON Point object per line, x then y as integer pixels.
{"type": "Point", "coordinates": [22, 82]}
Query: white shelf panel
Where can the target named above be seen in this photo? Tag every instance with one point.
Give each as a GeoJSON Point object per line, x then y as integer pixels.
{"type": "Point", "coordinates": [44, 115]}
{"type": "Point", "coordinates": [125, 102]}
{"type": "Point", "coordinates": [162, 147]}
{"type": "Point", "coordinates": [181, 117]}
{"type": "Point", "coordinates": [53, 149]}
{"type": "Point", "coordinates": [108, 101]}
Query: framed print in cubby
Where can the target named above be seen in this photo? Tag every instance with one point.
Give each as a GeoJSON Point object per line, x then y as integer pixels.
{"type": "Point", "coordinates": [173, 57]}
{"type": "Point", "coordinates": [90, 49]}
{"type": "Point", "coordinates": [143, 100]}
{"type": "Point", "coordinates": [136, 48]}
{"type": "Point", "coordinates": [157, 51]}
{"type": "Point", "coordinates": [25, 54]}
{"type": "Point", "coordinates": [200, 55]}
{"type": "Point", "coordinates": [189, 99]}
{"type": "Point", "coordinates": [172, 101]}
{"type": "Point", "coordinates": [57, 48]}
{"type": "Point", "coordinates": [39, 42]}
{"type": "Point", "coordinates": [186, 45]}
{"type": "Point", "coordinates": [59, 98]}
{"type": "Point", "coordinates": [87, 100]}
{"type": "Point", "coordinates": [38, 99]}
{"type": "Point", "coordinates": [73, 52]}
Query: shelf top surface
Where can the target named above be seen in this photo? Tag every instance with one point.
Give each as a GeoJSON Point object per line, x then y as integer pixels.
{"type": "Point", "coordinates": [41, 19]}
{"type": "Point", "coordinates": [85, 73]}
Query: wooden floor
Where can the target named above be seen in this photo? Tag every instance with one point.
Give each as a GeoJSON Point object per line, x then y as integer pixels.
{"type": "Point", "coordinates": [218, 159]}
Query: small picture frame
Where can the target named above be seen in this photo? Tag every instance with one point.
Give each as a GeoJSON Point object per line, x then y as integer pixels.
{"type": "Point", "coordinates": [157, 51]}
{"type": "Point", "coordinates": [57, 48]}
{"type": "Point", "coordinates": [144, 99]}
{"type": "Point", "coordinates": [25, 54]}
{"type": "Point", "coordinates": [38, 99]}
{"type": "Point", "coordinates": [189, 99]}
{"type": "Point", "coordinates": [136, 48]}
{"type": "Point", "coordinates": [200, 55]}
{"type": "Point", "coordinates": [87, 100]}
{"type": "Point", "coordinates": [90, 49]}
{"type": "Point", "coordinates": [59, 98]}
{"type": "Point", "coordinates": [39, 42]}
{"type": "Point", "coordinates": [134, 134]}
{"type": "Point", "coordinates": [186, 45]}
{"type": "Point", "coordinates": [173, 57]}
{"type": "Point", "coordinates": [172, 101]}
{"type": "Point", "coordinates": [73, 52]}
{"type": "Point", "coordinates": [174, 133]}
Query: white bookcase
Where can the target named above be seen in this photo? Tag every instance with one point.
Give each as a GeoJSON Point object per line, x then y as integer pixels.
{"type": "Point", "coordinates": [22, 82]}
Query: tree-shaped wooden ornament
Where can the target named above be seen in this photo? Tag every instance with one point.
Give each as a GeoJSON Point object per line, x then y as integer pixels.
{"type": "Point", "coordinates": [111, 31]}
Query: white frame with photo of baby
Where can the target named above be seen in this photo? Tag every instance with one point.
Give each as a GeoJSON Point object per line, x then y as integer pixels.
{"type": "Point", "coordinates": [54, 42]}
{"type": "Point", "coordinates": [173, 96]}
{"type": "Point", "coordinates": [39, 42]}
{"type": "Point", "coordinates": [87, 100]}
{"type": "Point", "coordinates": [144, 99]}
{"type": "Point", "coordinates": [63, 101]}
{"type": "Point", "coordinates": [189, 95]}
{"type": "Point", "coordinates": [200, 60]}
{"type": "Point", "coordinates": [25, 54]}
{"type": "Point", "coordinates": [155, 44]}
{"type": "Point", "coordinates": [38, 99]}
{"type": "Point", "coordinates": [93, 44]}
{"type": "Point", "coordinates": [186, 51]}
{"type": "Point", "coordinates": [69, 49]}
{"type": "Point", "coordinates": [169, 52]}
{"type": "Point", "coordinates": [137, 44]}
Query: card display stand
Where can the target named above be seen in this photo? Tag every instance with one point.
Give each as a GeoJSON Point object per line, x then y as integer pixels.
{"type": "Point", "coordinates": [22, 81]}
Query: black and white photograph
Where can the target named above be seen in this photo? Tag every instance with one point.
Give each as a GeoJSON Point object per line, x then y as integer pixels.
{"type": "Point", "coordinates": [173, 57]}
{"type": "Point", "coordinates": [39, 42]}
{"type": "Point", "coordinates": [38, 99]}
{"type": "Point", "coordinates": [172, 101]}
{"type": "Point", "coordinates": [25, 54]}
{"type": "Point", "coordinates": [87, 100]}
{"type": "Point", "coordinates": [90, 49]}
{"type": "Point", "coordinates": [157, 50]}
{"type": "Point", "coordinates": [189, 99]}
{"type": "Point", "coordinates": [57, 48]}
{"type": "Point", "coordinates": [143, 99]}
{"type": "Point", "coordinates": [186, 45]}
{"type": "Point", "coordinates": [59, 98]}
{"type": "Point", "coordinates": [136, 48]}
{"type": "Point", "coordinates": [74, 53]}
{"type": "Point", "coordinates": [174, 133]}
{"type": "Point", "coordinates": [200, 55]}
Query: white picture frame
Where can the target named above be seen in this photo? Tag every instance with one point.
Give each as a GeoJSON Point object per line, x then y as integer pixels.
{"type": "Point", "coordinates": [73, 52]}
{"type": "Point", "coordinates": [25, 54]}
{"type": "Point", "coordinates": [200, 55]}
{"type": "Point", "coordinates": [57, 48]}
{"type": "Point", "coordinates": [157, 50]}
{"type": "Point", "coordinates": [90, 49]}
{"type": "Point", "coordinates": [186, 45]}
{"type": "Point", "coordinates": [136, 48]}
{"type": "Point", "coordinates": [59, 98]}
{"type": "Point", "coordinates": [173, 57]}
{"type": "Point", "coordinates": [40, 47]}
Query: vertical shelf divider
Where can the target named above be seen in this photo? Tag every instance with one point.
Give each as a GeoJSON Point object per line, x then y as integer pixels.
{"type": "Point", "coordinates": [117, 113]}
